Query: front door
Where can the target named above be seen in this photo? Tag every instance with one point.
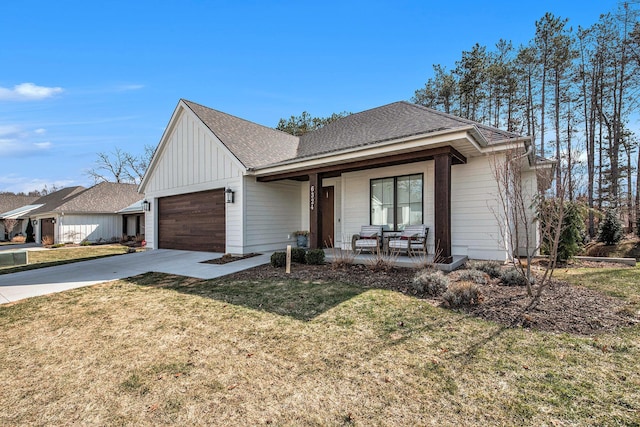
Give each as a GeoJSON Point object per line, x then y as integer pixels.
{"type": "Point", "coordinates": [326, 207]}
{"type": "Point", "coordinates": [47, 231]}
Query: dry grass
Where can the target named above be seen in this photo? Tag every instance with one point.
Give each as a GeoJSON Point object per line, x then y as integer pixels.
{"type": "Point", "coordinates": [59, 256]}
{"type": "Point", "coordinates": [158, 350]}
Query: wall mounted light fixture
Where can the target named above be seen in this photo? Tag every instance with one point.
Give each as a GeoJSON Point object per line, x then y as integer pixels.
{"type": "Point", "coordinates": [228, 195]}
{"type": "Point", "coordinates": [146, 206]}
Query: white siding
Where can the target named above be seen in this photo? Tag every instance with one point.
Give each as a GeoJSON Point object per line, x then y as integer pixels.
{"type": "Point", "coordinates": [192, 159]}
{"type": "Point", "coordinates": [476, 230]}
{"type": "Point", "coordinates": [272, 214]}
{"type": "Point", "coordinates": [355, 202]}
{"type": "Point", "coordinates": [76, 228]}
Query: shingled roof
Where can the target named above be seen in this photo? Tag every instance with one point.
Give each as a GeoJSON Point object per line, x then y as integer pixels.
{"type": "Point", "coordinates": [106, 197]}
{"type": "Point", "coordinates": [392, 121]}
{"type": "Point", "coordinates": [9, 202]}
{"type": "Point", "coordinates": [257, 146]}
{"type": "Point", "coordinates": [253, 145]}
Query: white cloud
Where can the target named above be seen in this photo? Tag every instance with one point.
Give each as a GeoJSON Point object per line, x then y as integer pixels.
{"type": "Point", "coordinates": [28, 92]}
{"type": "Point", "coordinates": [40, 131]}
{"type": "Point", "coordinates": [17, 142]}
{"type": "Point", "coordinates": [122, 88]}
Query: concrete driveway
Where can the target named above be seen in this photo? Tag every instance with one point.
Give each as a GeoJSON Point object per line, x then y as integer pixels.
{"type": "Point", "coordinates": [42, 281]}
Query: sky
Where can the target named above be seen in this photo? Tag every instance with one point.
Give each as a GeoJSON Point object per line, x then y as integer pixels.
{"type": "Point", "coordinates": [82, 77]}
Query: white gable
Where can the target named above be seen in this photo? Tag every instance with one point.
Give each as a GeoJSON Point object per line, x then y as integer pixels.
{"type": "Point", "coordinates": [189, 156]}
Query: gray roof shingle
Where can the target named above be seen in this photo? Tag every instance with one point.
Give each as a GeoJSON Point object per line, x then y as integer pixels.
{"type": "Point", "coordinates": [386, 123]}
{"type": "Point", "coordinates": [9, 202]}
{"type": "Point", "coordinates": [106, 197]}
{"type": "Point", "coordinates": [257, 146]}
{"type": "Point", "coordinates": [253, 144]}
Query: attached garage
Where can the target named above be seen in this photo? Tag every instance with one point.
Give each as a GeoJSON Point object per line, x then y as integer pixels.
{"type": "Point", "coordinates": [192, 222]}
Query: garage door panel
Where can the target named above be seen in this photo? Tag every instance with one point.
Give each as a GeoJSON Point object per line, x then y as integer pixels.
{"type": "Point", "coordinates": [194, 221]}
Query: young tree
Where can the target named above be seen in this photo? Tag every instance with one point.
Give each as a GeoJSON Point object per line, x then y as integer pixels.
{"type": "Point", "coordinates": [9, 225]}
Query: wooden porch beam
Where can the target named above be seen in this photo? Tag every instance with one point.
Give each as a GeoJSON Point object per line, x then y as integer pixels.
{"type": "Point", "coordinates": [442, 202]}
{"type": "Point", "coordinates": [315, 212]}
{"type": "Point", "coordinates": [396, 159]}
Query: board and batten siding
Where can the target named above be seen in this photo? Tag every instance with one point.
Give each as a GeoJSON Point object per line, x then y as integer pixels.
{"type": "Point", "coordinates": [91, 227]}
{"type": "Point", "coordinates": [192, 159]}
{"type": "Point", "coordinates": [271, 214]}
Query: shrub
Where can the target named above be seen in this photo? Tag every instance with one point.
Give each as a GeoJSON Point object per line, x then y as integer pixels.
{"type": "Point", "coordinates": [492, 268]}
{"type": "Point", "coordinates": [475, 276]}
{"type": "Point", "coordinates": [279, 259]}
{"type": "Point", "coordinates": [462, 293]}
{"type": "Point", "coordinates": [85, 243]}
{"type": "Point", "coordinates": [18, 239]}
{"type": "Point", "coordinates": [513, 277]}
{"type": "Point", "coordinates": [314, 256]}
{"type": "Point", "coordinates": [572, 231]}
{"type": "Point", "coordinates": [58, 245]}
{"type": "Point", "coordinates": [297, 255]}
{"type": "Point", "coordinates": [610, 230]}
{"type": "Point", "coordinates": [432, 283]}
{"type": "Point", "coordinates": [47, 240]}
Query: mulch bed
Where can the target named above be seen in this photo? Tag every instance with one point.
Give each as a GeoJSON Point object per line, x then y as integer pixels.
{"type": "Point", "coordinates": [226, 258]}
{"type": "Point", "coordinates": [562, 307]}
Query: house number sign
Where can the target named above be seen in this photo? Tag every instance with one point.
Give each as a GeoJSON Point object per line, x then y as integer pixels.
{"type": "Point", "coordinates": [312, 202]}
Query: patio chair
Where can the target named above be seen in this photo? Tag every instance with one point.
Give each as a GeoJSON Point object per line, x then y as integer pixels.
{"type": "Point", "coordinates": [369, 238]}
{"type": "Point", "coordinates": [412, 240]}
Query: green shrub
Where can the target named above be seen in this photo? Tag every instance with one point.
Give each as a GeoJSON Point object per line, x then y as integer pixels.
{"type": "Point", "coordinates": [85, 243]}
{"type": "Point", "coordinates": [462, 293]}
{"type": "Point", "coordinates": [572, 233]}
{"type": "Point", "coordinates": [58, 245]}
{"type": "Point", "coordinates": [513, 277]}
{"type": "Point", "coordinates": [314, 256]}
{"type": "Point", "coordinates": [297, 255]}
{"type": "Point", "coordinates": [492, 268]}
{"type": "Point", "coordinates": [279, 259]}
{"type": "Point", "coordinates": [610, 230]}
{"type": "Point", "coordinates": [432, 283]}
{"type": "Point", "coordinates": [475, 276]}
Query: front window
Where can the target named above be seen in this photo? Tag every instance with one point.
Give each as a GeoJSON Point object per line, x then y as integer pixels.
{"type": "Point", "coordinates": [396, 202]}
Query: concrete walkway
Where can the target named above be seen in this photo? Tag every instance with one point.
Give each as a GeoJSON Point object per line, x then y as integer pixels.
{"type": "Point", "coordinates": [42, 281]}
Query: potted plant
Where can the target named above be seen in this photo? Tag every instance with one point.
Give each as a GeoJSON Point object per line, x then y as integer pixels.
{"type": "Point", "coordinates": [301, 238]}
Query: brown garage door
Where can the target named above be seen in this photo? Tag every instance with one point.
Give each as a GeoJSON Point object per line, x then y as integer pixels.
{"type": "Point", "coordinates": [193, 222]}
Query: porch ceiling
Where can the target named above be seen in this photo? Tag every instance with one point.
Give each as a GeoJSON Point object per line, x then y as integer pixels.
{"type": "Point", "coordinates": [386, 159]}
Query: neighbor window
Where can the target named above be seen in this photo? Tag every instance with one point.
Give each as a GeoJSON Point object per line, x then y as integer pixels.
{"type": "Point", "coordinates": [396, 202]}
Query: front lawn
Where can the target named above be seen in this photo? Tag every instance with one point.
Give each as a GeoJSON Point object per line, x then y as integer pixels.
{"type": "Point", "coordinates": [158, 349]}
{"type": "Point", "coordinates": [65, 255]}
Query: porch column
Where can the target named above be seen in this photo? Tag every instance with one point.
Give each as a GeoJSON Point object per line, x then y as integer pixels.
{"type": "Point", "coordinates": [315, 213]}
{"type": "Point", "coordinates": [442, 196]}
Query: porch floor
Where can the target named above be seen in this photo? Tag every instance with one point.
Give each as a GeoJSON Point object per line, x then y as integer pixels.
{"type": "Point", "coordinates": [399, 260]}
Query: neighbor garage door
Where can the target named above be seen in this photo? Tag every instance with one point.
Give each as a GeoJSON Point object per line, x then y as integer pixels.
{"type": "Point", "coordinates": [193, 222]}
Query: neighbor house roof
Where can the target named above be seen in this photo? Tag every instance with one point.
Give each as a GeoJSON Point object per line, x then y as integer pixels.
{"type": "Point", "coordinates": [10, 202]}
{"type": "Point", "coordinates": [257, 146]}
{"type": "Point", "coordinates": [106, 197]}
{"type": "Point", "coordinates": [18, 212]}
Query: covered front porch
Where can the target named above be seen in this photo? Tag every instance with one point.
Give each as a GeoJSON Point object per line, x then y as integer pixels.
{"type": "Point", "coordinates": [397, 260]}
{"type": "Point", "coordinates": [339, 199]}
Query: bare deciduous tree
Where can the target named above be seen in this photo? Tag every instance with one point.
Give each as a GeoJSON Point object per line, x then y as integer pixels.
{"type": "Point", "coordinates": [527, 218]}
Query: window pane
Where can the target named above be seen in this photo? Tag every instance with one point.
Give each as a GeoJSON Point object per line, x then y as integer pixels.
{"type": "Point", "coordinates": [408, 207]}
{"type": "Point", "coordinates": [382, 202]}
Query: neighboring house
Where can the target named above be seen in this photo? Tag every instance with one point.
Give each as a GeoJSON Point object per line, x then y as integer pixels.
{"type": "Point", "coordinates": [133, 221]}
{"type": "Point", "coordinates": [394, 165]}
{"type": "Point", "coordinates": [75, 214]}
{"type": "Point", "coordinates": [11, 209]}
